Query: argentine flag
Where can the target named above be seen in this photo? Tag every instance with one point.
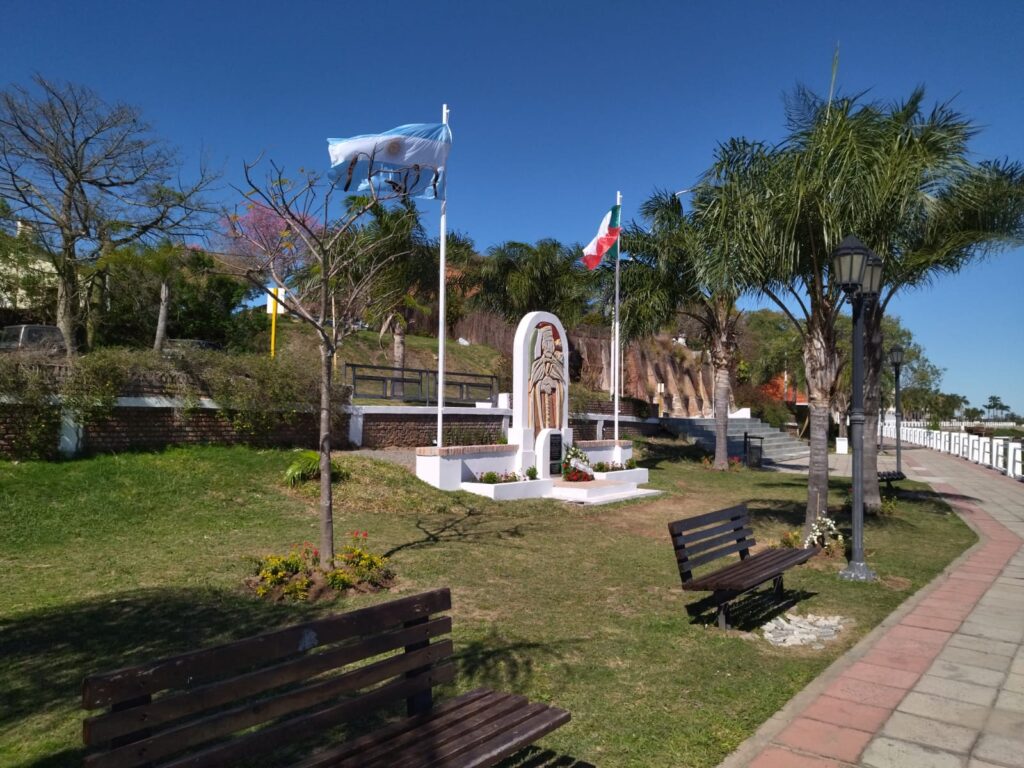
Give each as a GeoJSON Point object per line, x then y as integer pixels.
{"type": "Point", "coordinates": [407, 160]}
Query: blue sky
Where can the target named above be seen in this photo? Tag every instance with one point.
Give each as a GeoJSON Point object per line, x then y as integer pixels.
{"type": "Point", "coordinates": [556, 105]}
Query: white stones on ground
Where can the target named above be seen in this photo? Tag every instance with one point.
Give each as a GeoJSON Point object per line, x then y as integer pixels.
{"type": "Point", "coordinates": [796, 630]}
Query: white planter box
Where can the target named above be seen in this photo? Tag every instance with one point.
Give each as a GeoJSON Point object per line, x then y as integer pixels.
{"type": "Point", "coordinates": [637, 475]}
{"type": "Point", "coordinates": [521, 489]}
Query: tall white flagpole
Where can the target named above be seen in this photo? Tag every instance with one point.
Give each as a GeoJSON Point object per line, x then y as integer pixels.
{"type": "Point", "coordinates": [615, 334]}
{"type": "Point", "coordinates": [441, 301]}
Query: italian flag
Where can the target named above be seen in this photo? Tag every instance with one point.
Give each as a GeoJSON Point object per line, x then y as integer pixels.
{"type": "Point", "coordinates": [607, 239]}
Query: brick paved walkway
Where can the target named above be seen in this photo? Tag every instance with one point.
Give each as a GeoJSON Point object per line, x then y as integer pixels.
{"type": "Point", "coordinates": [941, 682]}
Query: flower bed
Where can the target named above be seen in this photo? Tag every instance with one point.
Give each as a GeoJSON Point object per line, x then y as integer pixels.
{"type": "Point", "coordinates": [298, 576]}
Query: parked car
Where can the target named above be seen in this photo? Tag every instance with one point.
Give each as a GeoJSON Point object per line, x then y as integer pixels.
{"type": "Point", "coordinates": [32, 338]}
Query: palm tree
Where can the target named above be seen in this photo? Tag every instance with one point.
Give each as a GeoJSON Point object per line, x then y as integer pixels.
{"type": "Point", "coordinates": [700, 268]}
{"type": "Point", "coordinates": [517, 278]}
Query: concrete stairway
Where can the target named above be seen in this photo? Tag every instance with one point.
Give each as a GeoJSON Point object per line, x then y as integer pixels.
{"type": "Point", "coordinates": [778, 446]}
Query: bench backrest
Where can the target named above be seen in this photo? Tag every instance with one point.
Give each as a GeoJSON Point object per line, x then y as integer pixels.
{"type": "Point", "coordinates": [218, 706]}
{"type": "Point", "coordinates": [702, 539]}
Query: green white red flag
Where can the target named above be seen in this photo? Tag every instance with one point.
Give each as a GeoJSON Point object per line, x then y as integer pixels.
{"type": "Point", "coordinates": [607, 240]}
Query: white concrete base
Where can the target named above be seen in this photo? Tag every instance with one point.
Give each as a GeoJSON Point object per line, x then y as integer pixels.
{"type": "Point", "coordinates": [522, 489]}
{"type": "Point", "coordinates": [636, 476]}
{"type": "Point", "coordinates": [598, 492]}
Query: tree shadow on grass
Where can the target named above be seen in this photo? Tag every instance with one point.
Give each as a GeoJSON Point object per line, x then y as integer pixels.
{"type": "Point", "coordinates": [494, 663]}
{"type": "Point", "coordinates": [48, 652]}
{"type": "Point", "coordinates": [467, 526]}
{"type": "Point", "coordinates": [658, 453]}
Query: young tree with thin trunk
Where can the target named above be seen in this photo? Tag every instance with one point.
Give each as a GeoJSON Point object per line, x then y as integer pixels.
{"type": "Point", "coordinates": [89, 177]}
{"type": "Point", "coordinates": [329, 262]}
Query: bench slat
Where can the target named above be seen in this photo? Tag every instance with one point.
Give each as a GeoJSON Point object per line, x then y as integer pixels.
{"type": "Point", "coordinates": [451, 710]}
{"type": "Point", "coordinates": [685, 539]}
{"type": "Point", "coordinates": [755, 570]}
{"type": "Point", "coordinates": [689, 523]}
{"type": "Point", "coordinates": [102, 728]}
{"type": "Point", "coordinates": [436, 737]}
{"type": "Point", "coordinates": [509, 742]}
{"type": "Point", "coordinates": [685, 553]}
{"type": "Point", "coordinates": [454, 752]}
{"type": "Point", "coordinates": [263, 741]}
{"type": "Point", "coordinates": [737, 546]}
{"type": "Point", "coordinates": [197, 667]}
{"type": "Point", "coordinates": [172, 740]}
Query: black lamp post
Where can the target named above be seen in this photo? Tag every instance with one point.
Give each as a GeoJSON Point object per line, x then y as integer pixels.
{"type": "Point", "coordinates": [859, 273]}
{"type": "Point", "coordinates": [896, 359]}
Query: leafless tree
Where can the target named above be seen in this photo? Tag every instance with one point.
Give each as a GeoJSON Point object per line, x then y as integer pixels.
{"type": "Point", "coordinates": [89, 176]}
{"type": "Point", "coordinates": [329, 264]}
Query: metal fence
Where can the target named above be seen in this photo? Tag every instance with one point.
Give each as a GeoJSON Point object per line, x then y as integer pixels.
{"type": "Point", "coordinates": [418, 385]}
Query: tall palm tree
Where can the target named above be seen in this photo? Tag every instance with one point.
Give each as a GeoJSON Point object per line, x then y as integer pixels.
{"type": "Point", "coordinates": [516, 278]}
{"type": "Point", "coordinates": [706, 273]}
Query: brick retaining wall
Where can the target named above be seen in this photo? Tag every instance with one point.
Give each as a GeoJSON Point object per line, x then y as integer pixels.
{"type": "Point", "coordinates": [382, 430]}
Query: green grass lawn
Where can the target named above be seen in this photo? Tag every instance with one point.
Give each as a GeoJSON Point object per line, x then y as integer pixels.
{"type": "Point", "coordinates": [117, 559]}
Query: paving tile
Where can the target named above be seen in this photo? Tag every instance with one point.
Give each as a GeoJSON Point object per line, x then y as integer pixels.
{"type": "Point", "coordinates": [776, 757]}
{"type": "Point", "coordinates": [1004, 722]}
{"type": "Point", "coordinates": [824, 739]}
{"type": "Point", "coordinates": [952, 689]}
{"type": "Point", "coordinates": [1000, 749]}
{"type": "Point", "coordinates": [1017, 666]}
{"type": "Point", "coordinates": [967, 673]}
{"type": "Point", "coordinates": [993, 632]}
{"type": "Point", "coordinates": [863, 717]}
{"type": "Point", "coordinates": [975, 658]}
{"type": "Point", "coordinates": [946, 624]}
{"type": "Point", "coordinates": [865, 693]}
{"type": "Point", "coordinates": [873, 673]}
{"type": "Point", "coordinates": [972, 643]}
{"type": "Point", "coordinates": [975, 763]}
{"type": "Point", "coordinates": [917, 662]}
{"type": "Point", "coordinates": [947, 710]}
{"type": "Point", "coordinates": [1010, 700]}
{"type": "Point", "coordinates": [931, 637]}
{"type": "Point", "coordinates": [930, 733]}
{"type": "Point", "coordinates": [1014, 683]}
{"type": "Point", "coordinates": [885, 752]}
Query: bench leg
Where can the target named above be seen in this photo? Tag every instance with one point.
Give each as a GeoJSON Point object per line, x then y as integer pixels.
{"type": "Point", "coordinates": [777, 587]}
{"type": "Point", "coordinates": [723, 616]}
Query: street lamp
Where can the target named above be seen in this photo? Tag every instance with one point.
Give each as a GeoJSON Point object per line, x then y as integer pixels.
{"type": "Point", "coordinates": [858, 270]}
{"type": "Point", "coordinates": [896, 359]}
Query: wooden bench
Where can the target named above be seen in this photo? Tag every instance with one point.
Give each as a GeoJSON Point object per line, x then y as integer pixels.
{"type": "Point", "coordinates": [890, 477]}
{"type": "Point", "coordinates": [241, 702]}
{"type": "Point", "coordinates": [705, 538]}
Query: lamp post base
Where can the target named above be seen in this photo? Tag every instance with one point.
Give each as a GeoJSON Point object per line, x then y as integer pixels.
{"type": "Point", "coordinates": [857, 571]}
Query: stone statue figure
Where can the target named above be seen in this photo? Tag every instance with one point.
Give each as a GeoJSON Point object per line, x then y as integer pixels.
{"type": "Point", "coordinates": [547, 384]}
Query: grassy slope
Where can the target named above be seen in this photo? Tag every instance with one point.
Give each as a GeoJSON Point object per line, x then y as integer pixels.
{"type": "Point", "coordinates": [118, 559]}
{"type": "Point", "coordinates": [368, 348]}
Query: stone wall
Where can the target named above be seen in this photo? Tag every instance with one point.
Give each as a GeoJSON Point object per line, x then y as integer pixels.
{"type": "Point", "coordinates": [382, 430]}
{"type": "Point", "coordinates": [149, 428]}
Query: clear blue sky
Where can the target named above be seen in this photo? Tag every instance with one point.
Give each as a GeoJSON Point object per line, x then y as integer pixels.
{"type": "Point", "coordinates": [556, 105]}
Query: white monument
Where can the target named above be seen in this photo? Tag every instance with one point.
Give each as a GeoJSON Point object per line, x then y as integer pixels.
{"type": "Point", "coordinates": [540, 394]}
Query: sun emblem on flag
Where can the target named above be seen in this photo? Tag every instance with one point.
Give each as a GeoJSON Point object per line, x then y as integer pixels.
{"type": "Point", "coordinates": [393, 147]}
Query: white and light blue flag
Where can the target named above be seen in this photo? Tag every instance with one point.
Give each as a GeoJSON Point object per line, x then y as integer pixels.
{"type": "Point", "coordinates": [407, 160]}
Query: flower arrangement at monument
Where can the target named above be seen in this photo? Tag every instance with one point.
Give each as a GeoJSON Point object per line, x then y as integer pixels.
{"type": "Point", "coordinates": [576, 466]}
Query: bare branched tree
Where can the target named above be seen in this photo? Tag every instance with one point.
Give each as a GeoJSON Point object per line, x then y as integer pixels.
{"type": "Point", "coordinates": [89, 177]}
{"type": "Point", "coordinates": [330, 266]}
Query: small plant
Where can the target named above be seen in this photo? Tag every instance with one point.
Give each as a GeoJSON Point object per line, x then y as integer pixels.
{"type": "Point", "coordinates": [630, 463]}
{"type": "Point", "coordinates": [601, 466]}
{"type": "Point", "coordinates": [297, 576]}
{"type": "Point", "coordinates": [824, 534]}
{"type": "Point", "coordinates": [531, 473]}
{"type": "Point", "coordinates": [889, 506]}
{"type": "Point", "coordinates": [735, 463]}
{"type": "Point", "coordinates": [306, 467]}
{"type": "Point", "coordinates": [493, 478]}
{"type": "Point", "coordinates": [790, 540]}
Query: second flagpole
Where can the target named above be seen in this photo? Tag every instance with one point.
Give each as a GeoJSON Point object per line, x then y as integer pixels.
{"type": "Point", "coordinates": [617, 359]}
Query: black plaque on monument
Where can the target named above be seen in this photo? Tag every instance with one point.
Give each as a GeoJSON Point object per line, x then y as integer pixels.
{"type": "Point", "coordinates": [555, 465]}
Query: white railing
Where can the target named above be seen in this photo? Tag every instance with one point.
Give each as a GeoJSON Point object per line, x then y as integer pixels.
{"type": "Point", "coordinates": [1000, 453]}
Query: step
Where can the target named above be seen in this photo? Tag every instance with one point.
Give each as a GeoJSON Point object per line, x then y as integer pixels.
{"type": "Point", "coordinates": [598, 492]}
